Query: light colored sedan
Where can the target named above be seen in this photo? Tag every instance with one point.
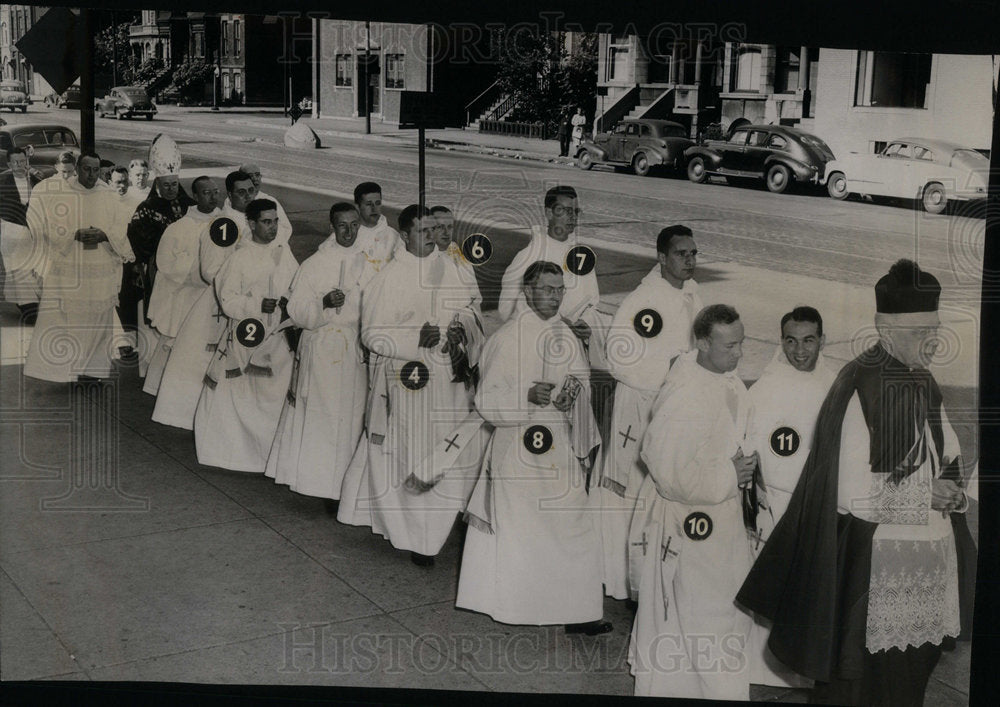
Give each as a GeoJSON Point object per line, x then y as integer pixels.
{"type": "Point", "coordinates": [932, 171]}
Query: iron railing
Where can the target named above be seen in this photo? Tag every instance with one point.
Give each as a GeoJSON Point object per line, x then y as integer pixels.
{"type": "Point", "coordinates": [504, 127]}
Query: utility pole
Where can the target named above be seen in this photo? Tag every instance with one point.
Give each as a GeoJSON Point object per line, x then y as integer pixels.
{"type": "Point", "coordinates": [368, 82]}
{"type": "Point", "coordinates": [114, 50]}
{"type": "Point", "coordinates": [86, 37]}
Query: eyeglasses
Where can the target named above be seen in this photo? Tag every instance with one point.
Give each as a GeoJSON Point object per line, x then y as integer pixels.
{"type": "Point", "coordinates": [548, 291]}
{"type": "Point", "coordinates": [565, 210]}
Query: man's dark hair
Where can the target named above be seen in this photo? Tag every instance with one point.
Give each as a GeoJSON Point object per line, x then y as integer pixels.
{"type": "Point", "coordinates": [536, 269]}
{"type": "Point", "coordinates": [198, 180]}
{"type": "Point", "coordinates": [258, 206]}
{"type": "Point", "coordinates": [440, 210]}
{"type": "Point", "coordinates": [237, 176]}
{"type": "Point", "coordinates": [410, 214]}
{"type": "Point", "coordinates": [342, 207]}
{"type": "Point", "coordinates": [87, 153]}
{"type": "Point", "coordinates": [120, 170]}
{"type": "Point", "coordinates": [668, 234]}
{"type": "Point", "coordinates": [366, 188]}
{"type": "Point", "coordinates": [555, 192]}
{"type": "Point", "coordinates": [710, 316]}
{"type": "Point", "coordinates": [803, 314]}
{"type": "Point", "coordinates": [16, 151]}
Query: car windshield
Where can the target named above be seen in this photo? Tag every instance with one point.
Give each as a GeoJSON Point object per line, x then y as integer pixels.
{"type": "Point", "coordinates": [969, 159]}
{"type": "Point", "coordinates": [132, 92]}
{"type": "Point", "coordinates": [816, 143]}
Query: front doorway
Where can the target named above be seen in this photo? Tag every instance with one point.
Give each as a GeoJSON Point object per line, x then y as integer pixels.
{"type": "Point", "coordinates": [369, 75]}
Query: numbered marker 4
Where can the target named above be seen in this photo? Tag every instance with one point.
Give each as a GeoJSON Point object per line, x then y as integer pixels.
{"type": "Point", "coordinates": [414, 375]}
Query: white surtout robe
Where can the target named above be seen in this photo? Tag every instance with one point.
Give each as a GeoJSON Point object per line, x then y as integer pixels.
{"type": "Point", "coordinates": [198, 336]}
{"type": "Point", "coordinates": [541, 561]}
{"type": "Point", "coordinates": [688, 639]}
{"type": "Point", "coordinates": [403, 426]}
{"type": "Point", "coordinates": [177, 287]}
{"type": "Point", "coordinates": [245, 387]}
{"type": "Point", "coordinates": [73, 335]}
{"type": "Point", "coordinates": [379, 242]}
{"type": "Point", "coordinates": [639, 365]}
{"type": "Point", "coordinates": [782, 397]}
{"type": "Point", "coordinates": [323, 416]}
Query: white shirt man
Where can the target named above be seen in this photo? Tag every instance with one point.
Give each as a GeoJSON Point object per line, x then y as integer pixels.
{"type": "Point", "coordinates": [786, 401]}
{"type": "Point", "coordinates": [76, 219]}
{"type": "Point", "coordinates": [412, 325]}
{"type": "Point", "coordinates": [323, 415]}
{"type": "Point", "coordinates": [139, 181]}
{"type": "Point", "coordinates": [178, 282]}
{"type": "Point", "coordinates": [246, 383]}
{"type": "Point", "coordinates": [253, 172]}
{"type": "Point", "coordinates": [532, 552]}
{"type": "Point", "coordinates": [377, 238]}
{"type": "Point", "coordinates": [650, 329]}
{"type": "Point", "coordinates": [688, 548]}
{"type": "Point", "coordinates": [199, 334]}
{"type": "Point", "coordinates": [22, 255]}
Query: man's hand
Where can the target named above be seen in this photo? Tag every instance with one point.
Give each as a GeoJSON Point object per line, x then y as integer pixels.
{"type": "Point", "coordinates": [563, 401]}
{"type": "Point", "coordinates": [90, 237]}
{"type": "Point", "coordinates": [430, 336]}
{"type": "Point", "coordinates": [541, 393]}
{"type": "Point", "coordinates": [268, 305]}
{"type": "Point", "coordinates": [334, 298]}
{"type": "Point", "coordinates": [946, 495]}
{"type": "Point", "coordinates": [744, 466]}
{"type": "Point", "coordinates": [581, 330]}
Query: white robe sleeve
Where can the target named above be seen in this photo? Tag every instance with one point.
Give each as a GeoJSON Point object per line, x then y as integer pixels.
{"type": "Point", "coordinates": [502, 399]}
{"type": "Point", "coordinates": [383, 329]}
{"type": "Point", "coordinates": [510, 288]}
{"type": "Point", "coordinates": [176, 255]}
{"type": "Point", "coordinates": [231, 291]}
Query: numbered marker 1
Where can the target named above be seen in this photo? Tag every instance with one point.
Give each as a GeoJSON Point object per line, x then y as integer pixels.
{"type": "Point", "coordinates": [581, 260]}
{"type": "Point", "coordinates": [785, 441]}
{"type": "Point", "coordinates": [648, 323]}
{"type": "Point", "coordinates": [414, 375]}
{"type": "Point", "coordinates": [223, 232]}
{"type": "Point", "coordinates": [538, 439]}
{"type": "Point", "coordinates": [698, 526]}
{"type": "Point", "coordinates": [250, 332]}
{"type": "Point", "coordinates": [477, 248]}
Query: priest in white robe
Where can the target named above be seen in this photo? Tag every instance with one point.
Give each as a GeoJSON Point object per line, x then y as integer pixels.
{"type": "Point", "coordinates": [444, 228]}
{"type": "Point", "coordinates": [198, 337]}
{"type": "Point", "coordinates": [424, 340]}
{"type": "Point", "coordinates": [323, 414]}
{"type": "Point", "coordinates": [532, 550]}
{"type": "Point", "coordinates": [22, 255]}
{"type": "Point", "coordinates": [139, 180]}
{"type": "Point", "coordinates": [378, 239]}
{"type": "Point", "coordinates": [688, 544]}
{"type": "Point", "coordinates": [252, 172]}
{"type": "Point", "coordinates": [76, 219]}
{"type": "Point", "coordinates": [786, 401]}
{"type": "Point", "coordinates": [178, 282]}
{"type": "Point", "coordinates": [650, 329]}
{"type": "Point", "coordinates": [248, 378]}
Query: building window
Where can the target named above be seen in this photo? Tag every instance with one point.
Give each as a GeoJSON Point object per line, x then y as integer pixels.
{"type": "Point", "coordinates": [225, 39]}
{"type": "Point", "coordinates": [892, 79]}
{"type": "Point", "coordinates": [786, 69]}
{"type": "Point", "coordinates": [746, 68]}
{"type": "Point", "coordinates": [344, 69]}
{"type": "Point", "coordinates": [239, 84]}
{"type": "Point", "coordinates": [394, 71]}
{"type": "Point", "coordinates": [237, 39]}
{"type": "Point", "coordinates": [198, 45]}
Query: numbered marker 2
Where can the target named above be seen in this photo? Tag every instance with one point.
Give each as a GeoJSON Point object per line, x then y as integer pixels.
{"type": "Point", "coordinates": [785, 441]}
{"type": "Point", "coordinates": [581, 260]}
{"type": "Point", "coordinates": [477, 249]}
{"type": "Point", "coordinates": [223, 232]}
{"type": "Point", "coordinates": [414, 375]}
{"type": "Point", "coordinates": [538, 439]}
{"type": "Point", "coordinates": [648, 323]}
{"type": "Point", "coordinates": [698, 526]}
{"type": "Point", "coordinates": [250, 332]}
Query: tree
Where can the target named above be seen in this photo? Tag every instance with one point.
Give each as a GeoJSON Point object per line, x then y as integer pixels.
{"type": "Point", "coordinates": [190, 78]}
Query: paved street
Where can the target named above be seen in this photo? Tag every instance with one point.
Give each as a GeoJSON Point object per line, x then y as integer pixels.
{"type": "Point", "coordinates": [253, 569]}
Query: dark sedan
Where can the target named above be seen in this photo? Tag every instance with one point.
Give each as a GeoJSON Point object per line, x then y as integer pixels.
{"type": "Point", "coordinates": [44, 142]}
{"type": "Point", "coordinates": [126, 102]}
{"type": "Point", "coordinates": [779, 155]}
{"type": "Point", "coordinates": [642, 143]}
{"type": "Point", "coordinates": [70, 98]}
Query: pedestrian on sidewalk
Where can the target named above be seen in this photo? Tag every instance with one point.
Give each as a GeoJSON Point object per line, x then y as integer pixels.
{"type": "Point", "coordinates": [563, 134]}
{"type": "Point", "coordinates": [578, 121]}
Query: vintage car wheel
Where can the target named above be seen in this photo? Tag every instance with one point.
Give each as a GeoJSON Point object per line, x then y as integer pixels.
{"type": "Point", "coordinates": [640, 164]}
{"type": "Point", "coordinates": [836, 186]}
{"type": "Point", "coordinates": [934, 198]}
{"type": "Point", "coordinates": [697, 172]}
{"type": "Point", "coordinates": [777, 179]}
{"type": "Point", "coordinates": [584, 160]}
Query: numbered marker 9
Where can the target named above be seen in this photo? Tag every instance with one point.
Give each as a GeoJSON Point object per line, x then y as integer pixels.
{"type": "Point", "coordinates": [698, 526]}
{"type": "Point", "coordinates": [581, 260]}
{"type": "Point", "coordinates": [648, 323]}
{"type": "Point", "coordinates": [223, 232]}
{"type": "Point", "coordinates": [785, 441]}
{"type": "Point", "coordinates": [414, 375]}
{"type": "Point", "coordinates": [250, 332]}
{"type": "Point", "coordinates": [477, 249]}
{"type": "Point", "coordinates": [538, 439]}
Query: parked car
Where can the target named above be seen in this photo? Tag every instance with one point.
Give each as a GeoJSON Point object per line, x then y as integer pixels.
{"type": "Point", "coordinates": [44, 142]}
{"type": "Point", "coordinates": [932, 171]}
{"type": "Point", "coordinates": [126, 102]}
{"type": "Point", "coordinates": [642, 143]}
{"type": "Point", "coordinates": [13, 96]}
{"type": "Point", "coordinates": [777, 154]}
{"type": "Point", "coordinates": [70, 98]}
